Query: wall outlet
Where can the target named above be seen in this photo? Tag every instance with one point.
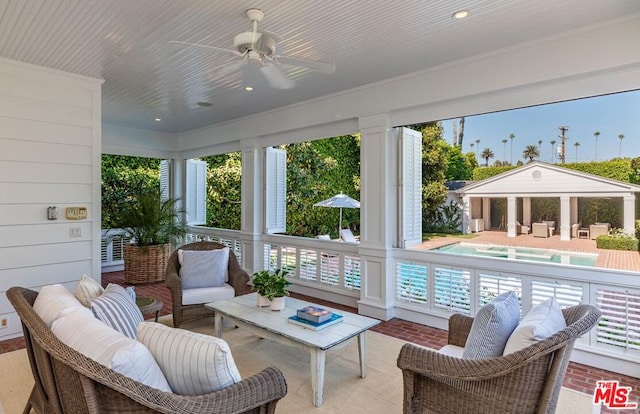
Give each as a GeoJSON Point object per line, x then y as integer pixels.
{"type": "Point", "coordinates": [4, 323]}
{"type": "Point", "coordinates": [75, 232]}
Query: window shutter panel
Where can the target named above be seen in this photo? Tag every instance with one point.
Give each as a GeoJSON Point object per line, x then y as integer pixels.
{"type": "Point", "coordinates": [164, 180]}
{"type": "Point", "coordinates": [196, 192]}
{"type": "Point", "coordinates": [275, 190]}
{"type": "Point", "coordinates": [411, 187]}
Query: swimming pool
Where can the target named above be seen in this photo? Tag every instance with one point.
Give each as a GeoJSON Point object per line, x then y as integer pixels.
{"type": "Point", "coordinates": [521, 253]}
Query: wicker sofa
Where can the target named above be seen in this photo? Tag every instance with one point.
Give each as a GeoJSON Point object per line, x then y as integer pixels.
{"type": "Point", "coordinates": [68, 382]}
{"type": "Point", "coordinates": [526, 381]}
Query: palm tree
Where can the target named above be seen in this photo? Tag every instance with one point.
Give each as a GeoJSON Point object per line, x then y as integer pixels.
{"type": "Point", "coordinates": [596, 134]}
{"type": "Point", "coordinates": [539, 149]}
{"type": "Point", "coordinates": [477, 147]}
{"type": "Point", "coordinates": [471, 145]}
{"type": "Point", "coordinates": [576, 144]}
{"type": "Point", "coordinates": [504, 150]}
{"type": "Point", "coordinates": [486, 154]}
{"type": "Point", "coordinates": [621, 136]}
{"type": "Point", "coordinates": [512, 136]}
{"type": "Point", "coordinates": [531, 152]}
{"type": "Point", "coordinates": [553, 144]}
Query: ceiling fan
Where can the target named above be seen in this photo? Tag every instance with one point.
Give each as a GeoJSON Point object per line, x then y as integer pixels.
{"type": "Point", "coordinates": [259, 48]}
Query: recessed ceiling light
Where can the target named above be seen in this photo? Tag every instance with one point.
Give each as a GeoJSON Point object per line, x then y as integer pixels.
{"type": "Point", "coordinates": [204, 104]}
{"type": "Point", "coordinates": [158, 119]}
{"type": "Point", "coordinates": [248, 88]}
{"type": "Point", "coordinates": [460, 14]}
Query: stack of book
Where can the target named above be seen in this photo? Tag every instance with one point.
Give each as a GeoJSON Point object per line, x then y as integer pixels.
{"type": "Point", "coordinates": [313, 317]}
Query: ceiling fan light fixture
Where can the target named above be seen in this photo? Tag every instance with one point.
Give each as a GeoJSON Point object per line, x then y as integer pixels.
{"type": "Point", "coordinates": [158, 119]}
{"type": "Point", "coordinates": [248, 88]}
{"type": "Point", "coordinates": [460, 14]}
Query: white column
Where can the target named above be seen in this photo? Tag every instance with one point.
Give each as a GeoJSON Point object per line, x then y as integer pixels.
{"type": "Point", "coordinates": [379, 177]}
{"type": "Point", "coordinates": [252, 206]}
{"type": "Point", "coordinates": [526, 211]}
{"type": "Point", "coordinates": [177, 179]}
{"type": "Point", "coordinates": [574, 209]}
{"type": "Point", "coordinates": [511, 217]}
{"type": "Point", "coordinates": [466, 214]}
{"type": "Point", "coordinates": [486, 212]}
{"type": "Point", "coordinates": [565, 218]}
{"type": "Point", "coordinates": [629, 210]}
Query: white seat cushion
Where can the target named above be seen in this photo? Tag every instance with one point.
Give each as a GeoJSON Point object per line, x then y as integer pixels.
{"type": "Point", "coordinates": [55, 301]}
{"type": "Point", "coordinates": [197, 296]}
{"type": "Point", "coordinates": [452, 350]}
{"type": "Point", "coordinates": [193, 363]}
{"type": "Point", "coordinates": [95, 340]}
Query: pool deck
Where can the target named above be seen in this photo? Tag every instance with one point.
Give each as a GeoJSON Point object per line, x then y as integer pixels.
{"type": "Point", "coordinates": [611, 259]}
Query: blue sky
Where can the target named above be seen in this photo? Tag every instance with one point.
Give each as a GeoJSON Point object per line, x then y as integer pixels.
{"type": "Point", "coordinates": [612, 115]}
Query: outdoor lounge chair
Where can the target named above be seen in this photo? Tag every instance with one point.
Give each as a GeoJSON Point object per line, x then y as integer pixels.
{"type": "Point", "coordinates": [526, 381]}
{"type": "Point", "coordinates": [540, 230]}
{"type": "Point", "coordinates": [183, 313]}
{"type": "Point", "coordinates": [598, 229]}
{"type": "Point", "coordinates": [522, 229]}
{"type": "Point", "coordinates": [347, 236]}
{"type": "Point", "coordinates": [66, 381]}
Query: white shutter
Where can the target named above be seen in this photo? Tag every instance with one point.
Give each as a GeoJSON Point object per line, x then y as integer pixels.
{"type": "Point", "coordinates": [275, 190]}
{"type": "Point", "coordinates": [196, 192]}
{"type": "Point", "coordinates": [164, 180]}
{"type": "Point", "coordinates": [410, 187]}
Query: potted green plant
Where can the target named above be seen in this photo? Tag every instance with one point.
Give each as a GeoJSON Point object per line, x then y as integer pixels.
{"type": "Point", "coordinates": [153, 224]}
{"type": "Point", "coordinates": [272, 285]}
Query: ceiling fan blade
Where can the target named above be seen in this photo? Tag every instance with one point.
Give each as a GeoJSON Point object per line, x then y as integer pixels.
{"type": "Point", "coordinates": [309, 64]}
{"type": "Point", "coordinates": [212, 48]}
{"type": "Point", "coordinates": [277, 79]}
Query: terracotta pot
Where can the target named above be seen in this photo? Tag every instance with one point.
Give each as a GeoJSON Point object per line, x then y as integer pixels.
{"type": "Point", "coordinates": [277, 304]}
{"type": "Point", "coordinates": [263, 301]}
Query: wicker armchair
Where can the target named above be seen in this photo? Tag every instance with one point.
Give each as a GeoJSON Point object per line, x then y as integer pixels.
{"type": "Point", "coordinates": [526, 381]}
{"type": "Point", "coordinates": [68, 382]}
{"type": "Point", "coordinates": [238, 279]}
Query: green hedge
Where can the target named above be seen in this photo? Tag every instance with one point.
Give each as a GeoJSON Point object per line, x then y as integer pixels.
{"type": "Point", "coordinates": [617, 243]}
{"type": "Point", "coordinates": [482, 173]}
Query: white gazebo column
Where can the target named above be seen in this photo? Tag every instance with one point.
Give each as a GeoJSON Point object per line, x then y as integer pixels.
{"type": "Point", "coordinates": [252, 206]}
{"type": "Point", "coordinates": [378, 201]}
{"type": "Point", "coordinates": [574, 210]}
{"type": "Point", "coordinates": [486, 212]}
{"type": "Point", "coordinates": [466, 214]}
{"type": "Point", "coordinates": [526, 211]}
{"type": "Point", "coordinates": [565, 218]}
{"type": "Point", "coordinates": [629, 210]}
{"type": "Point", "coordinates": [511, 216]}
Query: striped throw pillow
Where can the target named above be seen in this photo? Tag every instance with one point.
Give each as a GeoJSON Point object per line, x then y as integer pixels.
{"type": "Point", "coordinates": [116, 308]}
{"type": "Point", "coordinates": [87, 290]}
{"type": "Point", "coordinates": [192, 363]}
{"type": "Point", "coordinates": [492, 327]}
{"type": "Point", "coordinates": [205, 268]}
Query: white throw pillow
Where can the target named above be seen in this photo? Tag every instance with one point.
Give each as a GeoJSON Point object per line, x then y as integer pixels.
{"type": "Point", "coordinates": [108, 347]}
{"type": "Point", "coordinates": [55, 301]}
{"type": "Point", "coordinates": [87, 290]}
{"type": "Point", "coordinates": [117, 309]}
{"type": "Point", "coordinates": [492, 327]}
{"type": "Point", "coordinates": [204, 268]}
{"type": "Point", "coordinates": [193, 363]}
{"type": "Point", "coordinates": [540, 323]}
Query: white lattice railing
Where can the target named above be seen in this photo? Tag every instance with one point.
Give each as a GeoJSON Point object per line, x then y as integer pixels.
{"type": "Point", "coordinates": [112, 244]}
{"type": "Point", "coordinates": [440, 284]}
{"type": "Point", "coordinates": [230, 238]}
{"type": "Point", "coordinates": [324, 264]}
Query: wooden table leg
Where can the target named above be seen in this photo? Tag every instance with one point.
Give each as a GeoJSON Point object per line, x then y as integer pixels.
{"type": "Point", "coordinates": [217, 328]}
{"type": "Point", "coordinates": [317, 375]}
{"type": "Point", "coordinates": [362, 353]}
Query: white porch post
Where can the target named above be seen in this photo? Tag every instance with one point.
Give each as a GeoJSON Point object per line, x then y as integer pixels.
{"type": "Point", "coordinates": [378, 155]}
{"type": "Point", "coordinates": [177, 188]}
{"type": "Point", "coordinates": [629, 210]}
{"type": "Point", "coordinates": [574, 210]}
{"type": "Point", "coordinates": [486, 212]}
{"type": "Point", "coordinates": [565, 218]}
{"type": "Point", "coordinates": [252, 207]}
{"type": "Point", "coordinates": [511, 217]}
{"type": "Point", "coordinates": [466, 214]}
{"type": "Point", "coordinates": [526, 211]}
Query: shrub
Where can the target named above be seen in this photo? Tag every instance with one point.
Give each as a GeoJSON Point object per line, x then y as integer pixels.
{"type": "Point", "coordinates": [617, 240]}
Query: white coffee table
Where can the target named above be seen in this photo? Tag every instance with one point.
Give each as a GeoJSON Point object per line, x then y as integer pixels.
{"type": "Point", "coordinates": [243, 312]}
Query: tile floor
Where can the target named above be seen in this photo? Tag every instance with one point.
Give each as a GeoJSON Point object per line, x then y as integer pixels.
{"type": "Point", "coordinates": [579, 377]}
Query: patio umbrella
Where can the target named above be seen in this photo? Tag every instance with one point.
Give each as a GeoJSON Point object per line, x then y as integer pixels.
{"type": "Point", "coordinates": [339, 201]}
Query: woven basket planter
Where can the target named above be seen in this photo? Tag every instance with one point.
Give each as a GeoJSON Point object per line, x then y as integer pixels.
{"type": "Point", "coordinates": [145, 264]}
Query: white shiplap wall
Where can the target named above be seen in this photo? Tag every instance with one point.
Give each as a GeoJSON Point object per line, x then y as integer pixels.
{"type": "Point", "coordinates": [50, 144]}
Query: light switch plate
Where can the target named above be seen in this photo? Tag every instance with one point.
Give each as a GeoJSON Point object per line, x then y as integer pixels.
{"type": "Point", "coordinates": [76, 213]}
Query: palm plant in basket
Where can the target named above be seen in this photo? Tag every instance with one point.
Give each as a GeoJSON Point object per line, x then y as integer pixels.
{"type": "Point", "coordinates": [153, 224]}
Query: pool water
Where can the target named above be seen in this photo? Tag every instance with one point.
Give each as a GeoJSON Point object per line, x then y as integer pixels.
{"type": "Point", "coordinates": [520, 253]}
